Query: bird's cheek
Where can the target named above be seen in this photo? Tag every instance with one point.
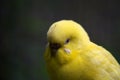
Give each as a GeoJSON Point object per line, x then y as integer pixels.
{"type": "Point", "coordinates": [63, 56]}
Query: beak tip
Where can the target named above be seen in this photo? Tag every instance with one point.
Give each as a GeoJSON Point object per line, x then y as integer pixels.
{"type": "Point", "coordinates": [54, 47]}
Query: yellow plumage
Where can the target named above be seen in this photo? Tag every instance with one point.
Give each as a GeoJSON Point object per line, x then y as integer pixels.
{"type": "Point", "coordinates": [70, 55]}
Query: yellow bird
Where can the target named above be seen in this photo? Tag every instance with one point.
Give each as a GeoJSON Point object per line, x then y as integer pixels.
{"type": "Point", "coordinates": [70, 55]}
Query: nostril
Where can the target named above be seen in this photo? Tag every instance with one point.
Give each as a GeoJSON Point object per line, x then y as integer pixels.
{"type": "Point", "coordinates": [55, 45]}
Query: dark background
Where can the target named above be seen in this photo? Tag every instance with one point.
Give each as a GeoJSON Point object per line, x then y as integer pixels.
{"type": "Point", "coordinates": [24, 24]}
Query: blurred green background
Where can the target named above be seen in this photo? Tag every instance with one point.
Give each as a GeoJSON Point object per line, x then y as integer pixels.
{"type": "Point", "coordinates": [24, 24]}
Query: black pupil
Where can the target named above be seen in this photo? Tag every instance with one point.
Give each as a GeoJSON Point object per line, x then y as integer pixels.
{"type": "Point", "coordinates": [67, 40]}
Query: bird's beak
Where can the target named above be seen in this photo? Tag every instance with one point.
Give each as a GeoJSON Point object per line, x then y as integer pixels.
{"type": "Point", "coordinates": [54, 47]}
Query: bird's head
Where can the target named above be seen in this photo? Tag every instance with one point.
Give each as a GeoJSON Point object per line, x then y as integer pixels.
{"type": "Point", "coordinates": [66, 36]}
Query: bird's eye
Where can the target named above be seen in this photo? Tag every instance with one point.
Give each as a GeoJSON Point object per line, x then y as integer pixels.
{"type": "Point", "coordinates": [67, 41]}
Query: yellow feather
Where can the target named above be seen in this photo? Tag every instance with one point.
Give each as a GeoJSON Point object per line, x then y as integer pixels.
{"type": "Point", "coordinates": [70, 55]}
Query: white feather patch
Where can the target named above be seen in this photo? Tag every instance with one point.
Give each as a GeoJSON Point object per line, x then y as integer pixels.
{"type": "Point", "coordinates": [67, 50]}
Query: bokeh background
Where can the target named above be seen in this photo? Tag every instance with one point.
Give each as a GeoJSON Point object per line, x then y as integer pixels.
{"type": "Point", "coordinates": [24, 24]}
